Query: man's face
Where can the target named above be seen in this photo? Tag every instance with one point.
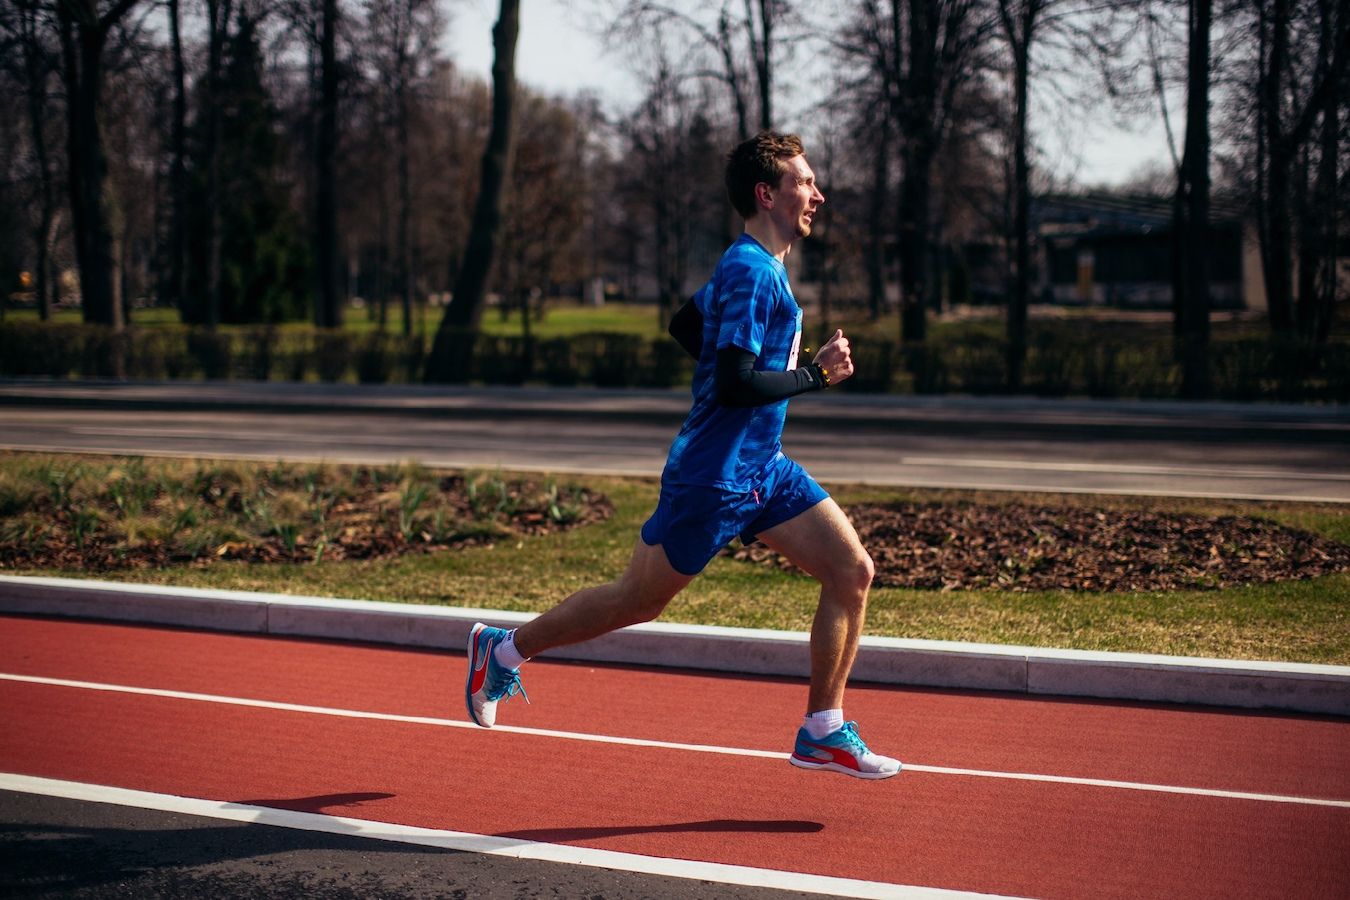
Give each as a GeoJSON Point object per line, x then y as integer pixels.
{"type": "Point", "coordinates": [796, 199]}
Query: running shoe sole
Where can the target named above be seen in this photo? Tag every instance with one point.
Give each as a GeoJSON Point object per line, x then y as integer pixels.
{"type": "Point", "coordinates": [823, 766]}
{"type": "Point", "coordinates": [477, 663]}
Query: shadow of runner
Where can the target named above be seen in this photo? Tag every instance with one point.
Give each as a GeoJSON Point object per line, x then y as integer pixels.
{"type": "Point", "coordinates": [317, 803]}
{"type": "Point", "coordinates": [729, 826]}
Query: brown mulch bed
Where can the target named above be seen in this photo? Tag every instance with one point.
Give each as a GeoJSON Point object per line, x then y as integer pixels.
{"type": "Point", "coordinates": [1032, 548]}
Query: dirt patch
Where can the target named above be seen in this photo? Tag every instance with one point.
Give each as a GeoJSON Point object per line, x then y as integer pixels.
{"type": "Point", "coordinates": [1031, 548]}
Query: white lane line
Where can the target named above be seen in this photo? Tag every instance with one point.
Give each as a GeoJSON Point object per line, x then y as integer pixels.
{"type": "Point", "coordinates": [721, 873]}
{"type": "Point", "coordinates": [665, 745]}
{"type": "Point", "coordinates": [957, 462]}
{"type": "Point", "coordinates": [860, 474]}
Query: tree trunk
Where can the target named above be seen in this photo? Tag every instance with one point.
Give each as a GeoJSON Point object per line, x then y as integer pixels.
{"type": "Point", "coordinates": [728, 51]}
{"type": "Point", "coordinates": [1020, 33]}
{"type": "Point", "coordinates": [914, 251]}
{"type": "Point", "coordinates": [761, 47]}
{"type": "Point", "coordinates": [404, 205]}
{"type": "Point", "coordinates": [1325, 193]}
{"type": "Point", "coordinates": [1191, 219]}
{"type": "Point", "coordinates": [82, 38]}
{"type": "Point", "coordinates": [916, 106]}
{"type": "Point", "coordinates": [876, 220]}
{"type": "Point", "coordinates": [1278, 157]}
{"type": "Point", "coordinates": [178, 171]}
{"type": "Point", "coordinates": [381, 280]}
{"type": "Point", "coordinates": [218, 15]}
{"type": "Point", "coordinates": [37, 69]}
{"type": "Point", "coordinates": [451, 352]}
{"type": "Point", "coordinates": [328, 305]}
{"type": "Point", "coordinates": [1019, 28]}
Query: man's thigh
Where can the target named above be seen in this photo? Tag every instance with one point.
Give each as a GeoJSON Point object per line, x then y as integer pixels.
{"type": "Point", "coordinates": [650, 577]}
{"type": "Point", "coordinates": [821, 541]}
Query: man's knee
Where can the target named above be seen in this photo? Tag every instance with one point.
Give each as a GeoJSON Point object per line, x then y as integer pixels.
{"type": "Point", "coordinates": [851, 577]}
{"type": "Point", "coordinates": [646, 596]}
{"type": "Point", "coordinates": [647, 608]}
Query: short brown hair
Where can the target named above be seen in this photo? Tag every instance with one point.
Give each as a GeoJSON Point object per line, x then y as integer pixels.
{"type": "Point", "coordinates": [761, 159]}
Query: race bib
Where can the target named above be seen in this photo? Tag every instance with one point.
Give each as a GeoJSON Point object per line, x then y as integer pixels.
{"type": "Point", "coordinates": [796, 344]}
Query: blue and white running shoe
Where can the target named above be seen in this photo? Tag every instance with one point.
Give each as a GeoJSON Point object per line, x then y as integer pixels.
{"type": "Point", "coordinates": [488, 681]}
{"type": "Point", "coordinates": [841, 751]}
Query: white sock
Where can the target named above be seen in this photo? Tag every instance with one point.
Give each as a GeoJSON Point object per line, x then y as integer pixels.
{"type": "Point", "coordinates": [819, 724]}
{"type": "Point", "coordinates": [506, 653]}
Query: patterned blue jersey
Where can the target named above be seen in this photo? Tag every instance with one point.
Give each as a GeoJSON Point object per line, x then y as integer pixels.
{"type": "Point", "coordinates": [746, 304]}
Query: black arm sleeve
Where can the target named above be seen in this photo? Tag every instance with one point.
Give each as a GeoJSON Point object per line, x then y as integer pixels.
{"type": "Point", "coordinates": [738, 384]}
{"type": "Point", "coordinates": [686, 327]}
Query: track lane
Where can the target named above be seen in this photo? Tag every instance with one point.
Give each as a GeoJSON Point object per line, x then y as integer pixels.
{"type": "Point", "coordinates": [975, 834]}
{"type": "Point", "coordinates": [1158, 744]}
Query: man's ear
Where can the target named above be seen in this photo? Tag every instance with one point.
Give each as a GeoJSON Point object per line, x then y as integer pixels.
{"type": "Point", "coordinates": [764, 194]}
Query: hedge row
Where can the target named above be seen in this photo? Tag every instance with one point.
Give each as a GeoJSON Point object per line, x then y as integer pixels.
{"type": "Point", "coordinates": [1243, 369]}
{"type": "Point", "coordinates": [264, 354]}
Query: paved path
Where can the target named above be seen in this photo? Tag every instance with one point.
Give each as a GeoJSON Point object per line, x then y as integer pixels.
{"type": "Point", "coordinates": [1273, 452]}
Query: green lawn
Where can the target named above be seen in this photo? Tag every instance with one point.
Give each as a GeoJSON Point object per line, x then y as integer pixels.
{"type": "Point", "coordinates": [1301, 621]}
{"type": "Point", "coordinates": [562, 318]}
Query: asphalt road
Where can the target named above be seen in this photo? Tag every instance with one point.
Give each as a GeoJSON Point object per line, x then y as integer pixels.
{"type": "Point", "coordinates": [53, 847]}
{"type": "Point", "coordinates": [1200, 450]}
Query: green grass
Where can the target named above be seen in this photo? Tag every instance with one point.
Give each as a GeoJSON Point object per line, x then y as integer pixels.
{"type": "Point", "coordinates": [566, 319]}
{"type": "Point", "coordinates": [1298, 621]}
{"type": "Point", "coordinates": [562, 318]}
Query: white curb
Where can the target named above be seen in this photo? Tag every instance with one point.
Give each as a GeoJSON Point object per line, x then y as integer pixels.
{"type": "Point", "coordinates": [1293, 687]}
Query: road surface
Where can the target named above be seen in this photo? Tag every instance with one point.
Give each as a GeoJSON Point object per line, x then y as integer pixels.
{"type": "Point", "coordinates": [1204, 450]}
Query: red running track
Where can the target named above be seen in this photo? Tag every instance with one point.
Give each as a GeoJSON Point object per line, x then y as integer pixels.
{"type": "Point", "coordinates": [941, 829]}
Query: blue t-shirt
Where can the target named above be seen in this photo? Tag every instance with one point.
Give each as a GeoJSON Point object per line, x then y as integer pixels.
{"type": "Point", "coordinates": [747, 304]}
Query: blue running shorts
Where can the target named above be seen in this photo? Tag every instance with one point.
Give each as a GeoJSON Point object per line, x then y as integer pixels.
{"type": "Point", "coordinates": [692, 522]}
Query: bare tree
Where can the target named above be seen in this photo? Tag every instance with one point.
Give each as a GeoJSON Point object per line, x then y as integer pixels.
{"type": "Point", "coordinates": [177, 232]}
{"type": "Point", "coordinates": [930, 49]}
{"type": "Point", "coordinates": [1020, 19]}
{"type": "Point", "coordinates": [542, 233]}
{"type": "Point", "coordinates": [403, 35]}
{"type": "Point", "coordinates": [451, 353]}
{"type": "Point", "coordinates": [865, 46]}
{"type": "Point", "coordinates": [1083, 35]}
{"type": "Point", "coordinates": [84, 27]}
{"type": "Point", "coordinates": [1321, 213]}
{"type": "Point", "coordinates": [328, 303]}
{"type": "Point", "coordinates": [1190, 221]}
{"type": "Point", "coordinates": [673, 144]}
{"type": "Point", "coordinates": [217, 24]}
{"type": "Point", "coordinates": [760, 18]}
{"type": "Point", "coordinates": [29, 27]}
{"type": "Point", "coordinates": [1289, 109]}
{"type": "Point", "coordinates": [736, 48]}
{"type": "Point", "coordinates": [912, 70]}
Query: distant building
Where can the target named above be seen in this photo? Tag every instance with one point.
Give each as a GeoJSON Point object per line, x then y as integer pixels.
{"type": "Point", "coordinates": [1104, 250]}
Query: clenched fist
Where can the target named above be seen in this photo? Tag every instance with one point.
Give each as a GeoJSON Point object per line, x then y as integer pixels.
{"type": "Point", "coordinates": [836, 357]}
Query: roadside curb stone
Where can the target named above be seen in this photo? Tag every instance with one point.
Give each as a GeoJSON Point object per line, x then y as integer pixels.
{"type": "Point", "coordinates": [1288, 687]}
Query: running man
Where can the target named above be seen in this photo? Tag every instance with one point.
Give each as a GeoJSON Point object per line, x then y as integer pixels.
{"type": "Point", "coordinates": [726, 475]}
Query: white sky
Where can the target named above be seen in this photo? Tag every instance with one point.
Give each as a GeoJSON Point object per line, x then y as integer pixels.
{"type": "Point", "coordinates": [558, 53]}
{"type": "Point", "coordinates": [555, 54]}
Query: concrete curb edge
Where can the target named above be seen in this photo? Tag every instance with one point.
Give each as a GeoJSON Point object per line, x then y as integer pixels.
{"type": "Point", "coordinates": [1291, 687]}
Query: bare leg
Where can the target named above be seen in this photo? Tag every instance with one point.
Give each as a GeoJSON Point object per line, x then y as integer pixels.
{"type": "Point", "coordinates": [639, 595]}
{"type": "Point", "coordinates": [822, 542]}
